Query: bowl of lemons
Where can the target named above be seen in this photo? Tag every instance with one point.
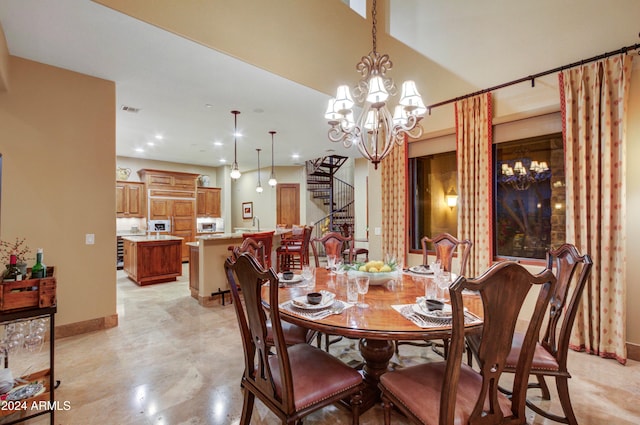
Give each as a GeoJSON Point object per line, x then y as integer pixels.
{"type": "Point", "coordinates": [379, 272]}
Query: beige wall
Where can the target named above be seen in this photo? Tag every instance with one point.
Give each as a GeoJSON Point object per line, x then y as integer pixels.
{"type": "Point", "coordinates": [58, 162]}
{"type": "Point", "coordinates": [4, 62]}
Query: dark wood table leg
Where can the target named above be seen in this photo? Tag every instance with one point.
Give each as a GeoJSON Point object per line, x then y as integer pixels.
{"type": "Point", "coordinates": [376, 354]}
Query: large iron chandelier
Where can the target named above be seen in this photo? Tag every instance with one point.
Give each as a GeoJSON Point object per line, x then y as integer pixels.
{"type": "Point", "coordinates": [376, 130]}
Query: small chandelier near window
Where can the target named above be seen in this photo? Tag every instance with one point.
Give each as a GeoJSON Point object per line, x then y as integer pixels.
{"type": "Point", "coordinates": [376, 130]}
{"type": "Point", "coordinates": [272, 178]}
{"type": "Point", "coordinates": [522, 172]}
{"type": "Point", "coordinates": [259, 187]}
{"type": "Point", "coordinates": [235, 172]}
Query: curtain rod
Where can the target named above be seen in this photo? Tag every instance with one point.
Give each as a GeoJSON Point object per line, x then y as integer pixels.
{"type": "Point", "coordinates": [533, 77]}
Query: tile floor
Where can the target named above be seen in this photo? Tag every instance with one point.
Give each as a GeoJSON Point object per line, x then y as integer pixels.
{"type": "Point", "coordinates": [173, 362]}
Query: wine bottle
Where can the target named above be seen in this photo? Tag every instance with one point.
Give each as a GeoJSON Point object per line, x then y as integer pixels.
{"type": "Point", "coordinates": [39, 270]}
{"type": "Point", "coordinates": [13, 272]}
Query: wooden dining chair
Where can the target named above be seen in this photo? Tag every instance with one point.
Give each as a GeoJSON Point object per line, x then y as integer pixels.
{"type": "Point", "coordinates": [445, 247]}
{"type": "Point", "coordinates": [351, 252]}
{"type": "Point", "coordinates": [252, 246]}
{"type": "Point", "coordinates": [267, 239]}
{"type": "Point", "coordinates": [293, 334]}
{"type": "Point", "coordinates": [297, 379]}
{"type": "Point", "coordinates": [450, 391]}
{"type": "Point", "coordinates": [332, 243]}
{"type": "Point", "coordinates": [550, 356]}
{"type": "Point", "coordinates": [293, 252]}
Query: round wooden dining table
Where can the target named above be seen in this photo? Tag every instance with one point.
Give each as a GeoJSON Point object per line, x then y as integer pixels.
{"type": "Point", "coordinates": [378, 325]}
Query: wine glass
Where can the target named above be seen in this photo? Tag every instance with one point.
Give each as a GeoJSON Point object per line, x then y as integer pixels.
{"type": "Point", "coordinates": [363, 288]}
{"type": "Point", "coordinates": [308, 273]}
{"type": "Point", "coordinates": [338, 267]}
{"type": "Point", "coordinates": [443, 280]}
{"type": "Point", "coordinates": [331, 263]}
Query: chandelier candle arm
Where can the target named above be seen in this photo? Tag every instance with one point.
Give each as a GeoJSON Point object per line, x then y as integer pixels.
{"type": "Point", "coordinates": [376, 130]}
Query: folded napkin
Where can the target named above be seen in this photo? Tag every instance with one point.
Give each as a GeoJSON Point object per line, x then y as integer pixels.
{"type": "Point", "coordinates": [424, 321]}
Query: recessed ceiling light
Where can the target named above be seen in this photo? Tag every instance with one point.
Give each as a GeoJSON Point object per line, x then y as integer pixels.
{"type": "Point", "coordinates": [208, 105]}
{"type": "Point", "coordinates": [217, 143]}
{"type": "Point", "coordinates": [222, 160]}
{"type": "Point", "coordinates": [295, 156]}
{"type": "Point", "coordinates": [159, 136]}
{"type": "Point", "coordinates": [150, 144]}
{"type": "Point", "coordinates": [139, 150]}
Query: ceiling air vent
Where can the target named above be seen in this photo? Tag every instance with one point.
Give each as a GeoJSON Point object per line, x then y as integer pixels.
{"type": "Point", "coordinates": [130, 109]}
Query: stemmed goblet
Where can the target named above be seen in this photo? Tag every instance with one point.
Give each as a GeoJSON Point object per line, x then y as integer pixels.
{"type": "Point", "coordinates": [331, 263]}
{"type": "Point", "coordinates": [308, 273]}
{"type": "Point", "coordinates": [363, 287]}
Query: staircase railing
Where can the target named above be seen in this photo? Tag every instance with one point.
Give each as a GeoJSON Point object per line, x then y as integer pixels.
{"type": "Point", "coordinates": [336, 194]}
{"type": "Point", "coordinates": [343, 210]}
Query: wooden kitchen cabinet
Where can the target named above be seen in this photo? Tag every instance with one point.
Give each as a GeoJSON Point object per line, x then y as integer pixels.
{"type": "Point", "coordinates": [130, 199]}
{"type": "Point", "coordinates": [194, 270]}
{"type": "Point", "coordinates": [181, 213]}
{"type": "Point", "coordinates": [172, 180]}
{"type": "Point", "coordinates": [208, 202]}
{"type": "Point", "coordinates": [171, 195]}
{"type": "Point", "coordinates": [148, 260]}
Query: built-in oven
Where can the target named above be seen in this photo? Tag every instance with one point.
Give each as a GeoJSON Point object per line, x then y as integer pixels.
{"type": "Point", "coordinates": [159, 225]}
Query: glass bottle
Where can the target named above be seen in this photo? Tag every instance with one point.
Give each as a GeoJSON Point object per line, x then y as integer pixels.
{"type": "Point", "coordinates": [13, 272]}
{"type": "Point", "coordinates": [39, 270]}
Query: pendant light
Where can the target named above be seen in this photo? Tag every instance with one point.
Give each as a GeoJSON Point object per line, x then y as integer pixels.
{"type": "Point", "coordinates": [272, 178]}
{"type": "Point", "coordinates": [259, 187]}
{"type": "Point", "coordinates": [235, 172]}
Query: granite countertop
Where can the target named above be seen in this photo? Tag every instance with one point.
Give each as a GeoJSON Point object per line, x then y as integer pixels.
{"type": "Point", "coordinates": [152, 238]}
{"type": "Point", "coordinates": [130, 233]}
{"type": "Point", "coordinates": [238, 235]}
{"type": "Point", "coordinates": [220, 236]}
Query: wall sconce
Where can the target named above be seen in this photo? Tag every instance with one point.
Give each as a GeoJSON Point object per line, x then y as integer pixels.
{"type": "Point", "coordinates": [451, 198]}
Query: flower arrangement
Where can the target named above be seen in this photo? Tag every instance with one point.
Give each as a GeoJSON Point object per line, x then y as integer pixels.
{"type": "Point", "coordinates": [20, 248]}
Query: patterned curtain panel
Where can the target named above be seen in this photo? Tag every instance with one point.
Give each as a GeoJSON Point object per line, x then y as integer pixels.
{"type": "Point", "coordinates": [473, 149]}
{"type": "Point", "coordinates": [394, 202]}
{"type": "Point", "coordinates": [594, 99]}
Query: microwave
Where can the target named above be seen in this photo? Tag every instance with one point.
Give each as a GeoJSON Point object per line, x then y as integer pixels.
{"type": "Point", "coordinates": [207, 227]}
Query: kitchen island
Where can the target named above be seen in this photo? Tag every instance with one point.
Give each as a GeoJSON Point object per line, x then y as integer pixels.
{"type": "Point", "coordinates": [210, 254]}
{"type": "Point", "coordinates": [152, 259]}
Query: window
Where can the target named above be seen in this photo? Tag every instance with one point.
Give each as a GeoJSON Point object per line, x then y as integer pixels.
{"type": "Point", "coordinates": [431, 177]}
{"type": "Point", "coordinates": [529, 197]}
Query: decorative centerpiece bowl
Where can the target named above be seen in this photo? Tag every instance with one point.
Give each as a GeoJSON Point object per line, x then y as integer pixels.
{"type": "Point", "coordinates": [379, 272]}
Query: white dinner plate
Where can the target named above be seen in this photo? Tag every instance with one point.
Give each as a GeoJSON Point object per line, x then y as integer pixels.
{"type": "Point", "coordinates": [327, 299]}
{"type": "Point", "coordinates": [445, 313]}
{"type": "Point", "coordinates": [295, 279]}
{"type": "Point", "coordinates": [421, 269]}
